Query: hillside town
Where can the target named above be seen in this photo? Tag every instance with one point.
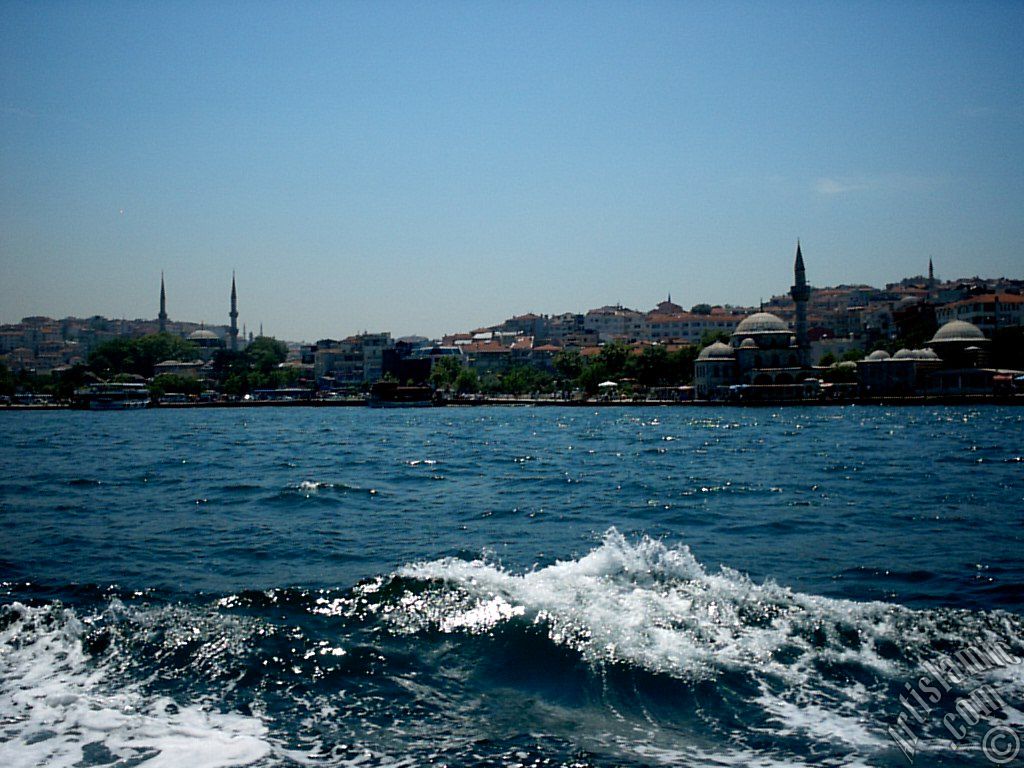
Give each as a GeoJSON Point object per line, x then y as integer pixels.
{"type": "Point", "coordinates": [914, 337]}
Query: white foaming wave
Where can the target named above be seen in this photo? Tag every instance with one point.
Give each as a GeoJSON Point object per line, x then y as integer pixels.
{"type": "Point", "coordinates": [658, 608]}
{"type": "Point", "coordinates": [59, 710]}
{"type": "Point", "coordinates": [649, 605]}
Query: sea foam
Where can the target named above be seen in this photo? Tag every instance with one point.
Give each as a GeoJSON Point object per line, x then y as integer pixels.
{"type": "Point", "coordinates": [58, 708]}
{"type": "Point", "coordinates": [823, 669]}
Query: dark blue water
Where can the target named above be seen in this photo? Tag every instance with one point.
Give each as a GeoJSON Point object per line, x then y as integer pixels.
{"type": "Point", "coordinates": [505, 586]}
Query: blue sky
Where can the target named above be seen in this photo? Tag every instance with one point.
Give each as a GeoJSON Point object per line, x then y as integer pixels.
{"type": "Point", "coordinates": [428, 167]}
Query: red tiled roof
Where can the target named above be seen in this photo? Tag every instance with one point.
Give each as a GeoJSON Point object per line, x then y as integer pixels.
{"type": "Point", "coordinates": [989, 298]}
{"type": "Point", "coordinates": [485, 347]}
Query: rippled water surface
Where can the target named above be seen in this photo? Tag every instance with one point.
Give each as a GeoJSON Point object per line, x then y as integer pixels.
{"type": "Point", "coordinates": [499, 586]}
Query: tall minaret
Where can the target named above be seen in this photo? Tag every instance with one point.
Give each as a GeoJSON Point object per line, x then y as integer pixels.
{"type": "Point", "coordinates": [800, 293]}
{"type": "Point", "coordinates": [931, 280]}
{"type": "Point", "coordinates": [163, 306]}
{"type": "Point", "coordinates": [234, 315]}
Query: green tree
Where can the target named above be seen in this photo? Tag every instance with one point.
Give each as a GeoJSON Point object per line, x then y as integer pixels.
{"type": "Point", "coordinates": [266, 353]}
{"type": "Point", "coordinates": [169, 382]}
{"type": "Point", "coordinates": [568, 364]}
{"type": "Point", "coordinates": [701, 309]}
{"type": "Point", "coordinates": [467, 382]}
{"type": "Point", "coordinates": [523, 379]}
{"type": "Point", "coordinates": [853, 355]}
{"type": "Point", "coordinates": [139, 356]}
{"type": "Point", "coordinates": [7, 381]}
{"type": "Point", "coordinates": [614, 356]}
{"type": "Point", "coordinates": [445, 372]}
{"type": "Point", "coordinates": [710, 337]}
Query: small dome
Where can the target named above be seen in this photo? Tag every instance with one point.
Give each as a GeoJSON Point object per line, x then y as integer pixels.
{"type": "Point", "coordinates": [748, 343]}
{"type": "Point", "coordinates": [878, 354]}
{"type": "Point", "coordinates": [717, 351]}
{"type": "Point", "coordinates": [202, 335]}
{"type": "Point", "coordinates": [761, 322]}
{"type": "Point", "coordinates": [915, 354]}
{"type": "Point", "coordinates": [958, 330]}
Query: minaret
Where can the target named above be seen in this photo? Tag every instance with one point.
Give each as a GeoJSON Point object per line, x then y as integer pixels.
{"type": "Point", "coordinates": [163, 306]}
{"type": "Point", "coordinates": [931, 280]}
{"type": "Point", "coordinates": [234, 315]}
{"type": "Point", "coordinates": [800, 293]}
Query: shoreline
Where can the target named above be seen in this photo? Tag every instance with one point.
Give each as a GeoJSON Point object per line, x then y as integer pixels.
{"type": "Point", "coordinates": [546, 403]}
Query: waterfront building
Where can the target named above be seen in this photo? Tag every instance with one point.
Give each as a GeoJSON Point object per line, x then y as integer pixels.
{"type": "Point", "coordinates": [762, 350]}
{"type": "Point", "coordinates": [961, 344]}
{"type": "Point", "coordinates": [989, 312]}
{"type": "Point", "coordinates": [955, 363]}
{"type": "Point", "coordinates": [189, 369]}
{"type": "Point", "coordinates": [615, 322]}
{"type": "Point", "coordinates": [662, 326]}
{"type": "Point", "coordinates": [902, 374]}
{"type": "Point", "coordinates": [351, 361]}
{"type": "Point", "coordinates": [487, 356]}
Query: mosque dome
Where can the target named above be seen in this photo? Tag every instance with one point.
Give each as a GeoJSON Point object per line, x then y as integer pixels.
{"type": "Point", "coordinates": [716, 351]}
{"type": "Point", "coordinates": [761, 322]}
{"type": "Point", "coordinates": [915, 354]}
{"type": "Point", "coordinates": [748, 344]}
{"type": "Point", "coordinates": [203, 335]}
{"type": "Point", "coordinates": [878, 354]}
{"type": "Point", "coordinates": [958, 330]}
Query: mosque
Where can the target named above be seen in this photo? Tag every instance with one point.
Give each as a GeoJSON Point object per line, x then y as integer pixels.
{"type": "Point", "coordinates": [762, 351]}
{"type": "Point", "coordinates": [956, 362]}
{"type": "Point", "coordinates": [207, 341]}
{"type": "Point", "coordinates": [767, 360]}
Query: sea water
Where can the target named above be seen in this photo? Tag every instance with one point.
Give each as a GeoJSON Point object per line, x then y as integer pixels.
{"type": "Point", "coordinates": [509, 586]}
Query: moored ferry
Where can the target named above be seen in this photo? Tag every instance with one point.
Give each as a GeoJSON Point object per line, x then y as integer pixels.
{"type": "Point", "coordinates": [104, 396]}
{"type": "Point", "coordinates": [388, 394]}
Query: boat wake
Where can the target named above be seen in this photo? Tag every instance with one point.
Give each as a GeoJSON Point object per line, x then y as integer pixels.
{"type": "Point", "coordinates": [634, 654]}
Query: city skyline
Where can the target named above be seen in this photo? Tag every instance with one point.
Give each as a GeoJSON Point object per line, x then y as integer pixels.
{"type": "Point", "coordinates": [424, 168]}
{"type": "Point", "coordinates": [163, 319]}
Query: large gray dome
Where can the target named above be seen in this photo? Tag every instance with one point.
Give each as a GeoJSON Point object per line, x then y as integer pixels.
{"type": "Point", "coordinates": [716, 351]}
{"type": "Point", "coordinates": [761, 322]}
{"type": "Point", "coordinates": [958, 330]}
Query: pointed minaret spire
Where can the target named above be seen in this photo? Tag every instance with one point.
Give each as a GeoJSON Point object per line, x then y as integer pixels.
{"type": "Point", "coordinates": [931, 280]}
{"type": "Point", "coordinates": [162, 317]}
{"type": "Point", "coordinates": [234, 315]}
{"type": "Point", "coordinates": [800, 293]}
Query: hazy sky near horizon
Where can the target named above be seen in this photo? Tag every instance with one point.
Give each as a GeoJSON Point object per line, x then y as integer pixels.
{"type": "Point", "coordinates": [435, 166]}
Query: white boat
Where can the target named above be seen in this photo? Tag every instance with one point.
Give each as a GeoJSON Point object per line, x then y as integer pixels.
{"type": "Point", "coordinates": [112, 396]}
